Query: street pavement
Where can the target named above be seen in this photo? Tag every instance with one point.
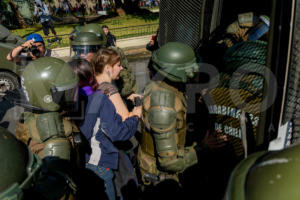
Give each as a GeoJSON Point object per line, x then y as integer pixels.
{"type": "Point", "coordinates": [128, 45]}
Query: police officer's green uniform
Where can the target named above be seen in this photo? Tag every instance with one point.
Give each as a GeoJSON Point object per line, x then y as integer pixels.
{"type": "Point", "coordinates": [49, 84]}
{"type": "Point", "coordinates": [162, 152]}
{"type": "Point", "coordinates": [127, 83]}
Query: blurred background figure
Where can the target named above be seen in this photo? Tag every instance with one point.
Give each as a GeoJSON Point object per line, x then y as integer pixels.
{"type": "Point", "coordinates": [111, 39]}
{"type": "Point", "coordinates": [41, 10]}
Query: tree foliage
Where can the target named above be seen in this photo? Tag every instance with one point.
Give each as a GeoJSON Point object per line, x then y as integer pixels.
{"type": "Point", "coordinates": [15, 9]}
{"type": "Point", "coordinates": [129, 6]}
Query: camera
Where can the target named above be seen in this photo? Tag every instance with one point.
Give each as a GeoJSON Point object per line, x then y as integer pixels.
{"type": "Point", "coordinates": [35, 51]}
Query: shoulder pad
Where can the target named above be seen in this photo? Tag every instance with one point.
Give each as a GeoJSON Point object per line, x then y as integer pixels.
{"type": "Point", "coordinates": [162, 114]}
{"type": "Point", "coordinates": [163, 98]}
{"type": "Point", "coordinates": [50, 125]}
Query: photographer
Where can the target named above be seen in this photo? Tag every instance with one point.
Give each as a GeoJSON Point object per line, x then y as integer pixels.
{"type": "Point", "coordinates": [33, 48]}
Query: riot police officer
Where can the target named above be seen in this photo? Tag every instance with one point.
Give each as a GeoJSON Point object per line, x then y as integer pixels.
{"type": "Point", "coordinates": [162, 153]}
{"type": "Point", "coordinates": [85, 45]}
{"type": "Point", "coordinates": [95, 28]}
{"type": "Point", "coordinates": [49, 85]}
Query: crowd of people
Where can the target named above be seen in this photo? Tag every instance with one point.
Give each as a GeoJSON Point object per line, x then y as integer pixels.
{"type": "Point", "coordinates": [149, 3]}
{"type": "Point", "coordinates": [80, 9]}
{"type": "Point", "coordinates": [65, 8]}
{"type": "Point", "coordinates": [97, 66]}
{"type": "Point", "coordinates": [86, 112]}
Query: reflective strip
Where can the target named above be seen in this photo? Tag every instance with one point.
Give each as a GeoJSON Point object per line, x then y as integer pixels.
{"type": "Point", "coordinates": [95, 145]}
{"type": "Point", "coordinates": [66, 87]}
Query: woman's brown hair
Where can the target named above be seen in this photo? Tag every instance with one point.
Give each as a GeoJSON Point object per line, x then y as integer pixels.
{"type": "Point", "coordinates": [105, 57]}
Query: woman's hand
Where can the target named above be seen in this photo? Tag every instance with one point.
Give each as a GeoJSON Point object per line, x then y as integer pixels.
{"type": "Point", "coordinates": [132, 96]}
{"type": "Point", "coordinates": [137, 111]}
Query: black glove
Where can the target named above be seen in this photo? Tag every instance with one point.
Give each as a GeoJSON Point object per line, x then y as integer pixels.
{"type": "Point", "coordinates": [137, 101]}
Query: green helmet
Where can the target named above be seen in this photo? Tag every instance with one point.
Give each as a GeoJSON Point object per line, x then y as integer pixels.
{"type": "Point", "coordinates": [49, 83]}
{"type": "Point", "coordinates": [95, 28]}
{"type": "Point", "coordinates": [86, 42]}
{"type": "Point", "coordinates": [18, 167]}
{"type": "Point", "coordinates": [266, 175]}
{"type": "Point", "coordinates": [175, 61]}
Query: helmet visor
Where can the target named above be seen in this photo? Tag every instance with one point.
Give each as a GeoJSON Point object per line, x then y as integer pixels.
{"type": "Point", "coordinates": [79, 50]}
{"type": "Point", "coordinates": [100, 36]}
{"type": "Point", "coordinates": [65, 98]}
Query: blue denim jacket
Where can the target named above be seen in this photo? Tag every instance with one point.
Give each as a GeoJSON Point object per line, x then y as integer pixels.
{"type": "Point", "coordinates": [102, 126]}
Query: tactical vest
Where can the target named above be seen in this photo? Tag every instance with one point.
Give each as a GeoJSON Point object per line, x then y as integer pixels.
{"type": "Point", "coordinates": [157, 141]}
{"type": "Point", "coordinates": [48, 134]}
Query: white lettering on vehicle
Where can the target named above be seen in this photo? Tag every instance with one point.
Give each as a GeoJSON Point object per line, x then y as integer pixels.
{"type": "Point", "coordinates": [236, 132]}
{"type": "Point", "coordinates": [231, 112]}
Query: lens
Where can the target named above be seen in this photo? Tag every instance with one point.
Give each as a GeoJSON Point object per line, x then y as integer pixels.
{"type": "Point", "coordinates": [35, 52]}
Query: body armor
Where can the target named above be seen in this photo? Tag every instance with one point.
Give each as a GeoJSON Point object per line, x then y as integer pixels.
{"type": "Point", "coordinates": [162, 153]}
{"type": "Point", "coordinates": [49, 85]}
{"type": "Point", "coordinates": [47, 134]}
{"type": "Point", "coordinates": [163, 133]}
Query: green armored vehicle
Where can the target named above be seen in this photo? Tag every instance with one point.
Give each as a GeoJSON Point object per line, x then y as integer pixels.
{"type": "Point", "coordinates": [9, 71]}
